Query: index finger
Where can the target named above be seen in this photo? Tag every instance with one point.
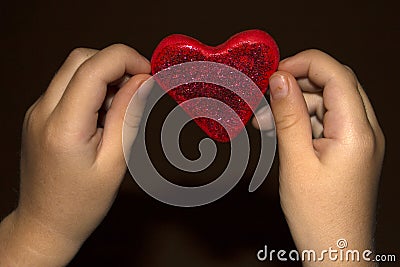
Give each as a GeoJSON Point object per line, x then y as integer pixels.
{"type": "Point", "coordinates": [84, 96]}
{"type": "Point", "coordinates": [345, 109]}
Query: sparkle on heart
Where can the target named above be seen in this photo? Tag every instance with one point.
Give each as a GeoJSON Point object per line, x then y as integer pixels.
{"type": "Point", "coordinates": [252, 52]}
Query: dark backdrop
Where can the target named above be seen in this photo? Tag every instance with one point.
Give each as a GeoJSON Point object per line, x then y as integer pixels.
{"type": "Point", "coordinates": [36, 36]}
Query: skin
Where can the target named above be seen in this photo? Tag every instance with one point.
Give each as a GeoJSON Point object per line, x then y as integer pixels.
{"type": "Point", "coordinates": [71, 168]}
{"type": "Point", "coordinates": [330, 153]}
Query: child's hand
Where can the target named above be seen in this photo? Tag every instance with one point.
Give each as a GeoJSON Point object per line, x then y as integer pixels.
{"type": "Point", "coordinates": [328, 185]}
{"type": "Point", "coordinates": [70, 167]}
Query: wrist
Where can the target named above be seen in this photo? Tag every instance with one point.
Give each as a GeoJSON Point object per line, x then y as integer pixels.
{"type": "Point", "coordinates": [27, 242]}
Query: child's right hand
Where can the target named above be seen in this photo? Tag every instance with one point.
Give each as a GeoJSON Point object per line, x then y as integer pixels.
{"type": "Point", "coordinates": [329, 184]}
{"type": "Point", "coordinates": [71, 168]}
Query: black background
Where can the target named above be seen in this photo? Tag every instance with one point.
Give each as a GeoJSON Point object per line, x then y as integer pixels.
{"type": "Point", "coordinates": [36, 36]}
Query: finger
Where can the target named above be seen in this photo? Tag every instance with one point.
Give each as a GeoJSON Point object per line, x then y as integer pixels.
{"type": "Point", "coordinates": [121, 81]}
{"type": "Point", "coordinates": [134, 114]}
{"type": "Point", "coordinates": [317, 127]}
{"type": "Point", "coordinates": [369, 110]}
{"type": "Point", "coordinates": [263, 119]}
{"type": "Point", "coordinates": [308, 86]}
{"type": "Point", "coordinates": [60, 81]}
{"type": "Point", "coordinates": [128, 95]}
{"type": "Point", "coordinates": [292, 121]}
{"type": "Point", "coordinates": [345, 111]}
{"type": "Point", "coordinates": [315, 104]}
{"type": "Point", "coordinates": [111, 91]}
{"type": "Point", "coordinates": [109, 97]}
{"type": "Point", "coordinates": [367, 104]}
{"type": "Point", "coordinates": [85, 94]}
{"type": "Point", "coordinates": [316, 110]}
{"type": "Point", "coordinates": [371, 116]}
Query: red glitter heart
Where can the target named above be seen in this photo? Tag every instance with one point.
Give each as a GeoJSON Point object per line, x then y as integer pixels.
{"type": "Point", "coordinates": [252, 52]}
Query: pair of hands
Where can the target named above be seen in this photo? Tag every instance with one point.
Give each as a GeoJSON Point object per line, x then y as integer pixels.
{"type": "Point", "coordinates": [71, 168]}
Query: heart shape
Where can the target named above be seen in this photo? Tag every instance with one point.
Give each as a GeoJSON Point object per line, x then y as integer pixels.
{"type": "Point", "coordinates": [253, 52]}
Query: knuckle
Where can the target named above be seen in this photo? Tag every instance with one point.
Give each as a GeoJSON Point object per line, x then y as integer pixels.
{"type": "Point", "coordinates": [85, 70]}
{"type": "Point", "coordinates": [351, 74]}
{"type": "Point", "coordinates": [32, 117]}
{"type": "Point", "coordinates": [88, 68]}
{"type": "Point", "coordinates": [313, 51]}
{"type": "Point", "coordinates": [119, 47]}
{"type": "Point", "coordinates": [349, 69]}
{"type": "Point", "coordinates": [78, 58]}
{"type": "Point", "coordinates": [28, 116]}
{"type": "Point", "coordinates": [79, 54]}
{"type": "Point", "coordinates": [366, 141]}
{"type": "Point", "coordinates": [287, 121]}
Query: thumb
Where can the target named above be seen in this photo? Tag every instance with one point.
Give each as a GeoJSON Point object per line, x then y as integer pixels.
{"type": "Point", "coordinates": [111, 147]}
{"type": "Point", "coordinates": [293, 126]}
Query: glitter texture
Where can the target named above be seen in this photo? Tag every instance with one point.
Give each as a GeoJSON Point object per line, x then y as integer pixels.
{"type": "Point", "coordinates": [252, 52]}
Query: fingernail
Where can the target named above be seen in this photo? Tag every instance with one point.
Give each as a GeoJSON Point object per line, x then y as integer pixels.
{"type": "Point", "coordinates": [278, 86]}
